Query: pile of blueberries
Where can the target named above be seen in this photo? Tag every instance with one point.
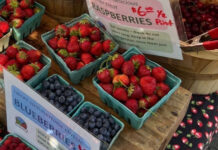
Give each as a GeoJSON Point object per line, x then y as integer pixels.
{"type": "Point", "coordinates": [101, 124]}
{"type": "Point", "coordinates": [63, 97]}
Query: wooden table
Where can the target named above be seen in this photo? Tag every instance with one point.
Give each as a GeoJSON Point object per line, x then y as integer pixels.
{"type": "Point", "coordinates": [158, 129]}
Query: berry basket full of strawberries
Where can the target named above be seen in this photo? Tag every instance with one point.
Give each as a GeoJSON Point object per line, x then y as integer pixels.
{"type": "Point", "coordinates": [79, 47]}
{"type": "Point", "coordinates": [134, 86]}
{"type": "Point", "coordinates": [5, 33]}
{"type": "Point", "coordinates": [24, 16]}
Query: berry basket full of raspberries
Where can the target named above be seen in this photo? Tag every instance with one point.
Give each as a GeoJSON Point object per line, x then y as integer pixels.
{"type": "Point", "coordinates": [14, 142]}
{"type": "Point", "coordinates": [79, 47]}
{"type": "Point", "coordinates": [134, 86]}
{"type": "Point", "coordinates": [24, 16]}
{"type": "Point", "coordinates": [5, 33]}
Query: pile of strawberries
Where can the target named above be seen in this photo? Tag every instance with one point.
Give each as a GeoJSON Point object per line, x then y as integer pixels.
{"type": "Point", "coordinates": [14, 143]}
{"type": "Point", "coordinates": [133, 83]}
{"type": "Point", "coordinates": [4, 28]}
{"type": "Point", "coordinates": [17, 11]}
{"type": "Point", "coordinates": [80, 44]}
{"type": "Point", "coordinates": [23, 63]}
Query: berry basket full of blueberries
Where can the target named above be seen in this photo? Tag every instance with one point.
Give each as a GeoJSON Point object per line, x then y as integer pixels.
{"type": "Point", "coordinates": [61, 94]}
{"type": "Point", "coordinates": [99, 123]}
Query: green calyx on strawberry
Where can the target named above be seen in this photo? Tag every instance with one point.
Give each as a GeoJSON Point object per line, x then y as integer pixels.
{"type": "Point", "coordinates": [5, 12]}
{"type": "Point", "coordinates": [138, 60]}
{"type": "Point", "coordinates": [36, 10]}
{"type": "Point", "coordinates": [120, 94]}
{"type": "Point", "coordinates": [63, 53]}
{"type": "Point", "coordinates": [96, 49]}
{"type": "Point", "coordinates": [4, 27]}
{"type": "Point", "coordinates": [103, 76]}
{"type": "Point", "coordinates": [13, 4]}
{"type": "Point", "coordinates": [143, 103]}
{"type": "Point", "coordinates": [84, 22]}
{"type": "Point", "coordinates": [22, 57]}
{"type": "Point", "coordinates": [159, 74]}
{"type": "Point", "coordinates": [135, 91]}
{"type": "Point", "coordinates": [143, 71]}
{"type": "Point", "coordinates": [85, 44]}
{"type": "Point", "coordinates": [62, 30]}
{"type": "Point", "coordinates": [86, 58]}
{"type": "Point", "coordinates": [113, 72]}
{"type": "Point", "coordinates": [74, 30]}
{"type": "Point", "coordinates": [117, 61]}
{"type": "Point", "coordinates": [121, 80]}
{"type": "Point", "coordinates": [27, 71]}
{"type": "Point", "coordinates": [37, 66]}
{"type": "Point", "coordinates": [108, 87]}
{"type": "Point", "coordinates": [17, 74]}
{"type": "Point", "coordinates": [162, 89]}
{"type": "Point", "coordinates": [132, 104]}
{"type": "Point", "coordinates": [17, 22]}
{"type": "Point", "coordinates": [71, 63]}
{"type": "Point", "coordinates": [108, 46]}
{"type": "Point", "coordinates": [148, 85]}
{"type": "Point", "coordinates": [128, 68]}
{"type": "Point", "coordinates": [12, 65]}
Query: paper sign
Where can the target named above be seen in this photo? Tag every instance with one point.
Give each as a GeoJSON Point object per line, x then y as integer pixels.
{"type": "Point", "coordinates": [40, 123]}
{"type": "Point", "coordinates": [146, 24]}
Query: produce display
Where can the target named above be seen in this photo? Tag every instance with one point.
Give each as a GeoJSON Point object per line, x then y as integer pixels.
{"type": "Point", "coordinates": [80, 44]}
{"type": "Point", "coordinates": [198, 17]}
{"type": "Point", "coordinates": [4, 28]}
{"type": "Point", "coordinates": [133, 83]}
{"type": "Point", "coordinates": [17, 11]}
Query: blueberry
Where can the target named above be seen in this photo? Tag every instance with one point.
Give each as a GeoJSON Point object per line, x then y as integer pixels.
{"type": "Point", "coordinates": [108, 134]}
{"type": "Point", "coordinates": [100, 137]}
{"type": "Point", "coordinates": [47, 92]}
{"type": "Point", "coordinates": [81, 122]}
{"type": "Point", "coordinates": [58, 92]}
{"type": "Point", "coordinates": [108, 140]}
{"type": "Point", "coordinates": [61, 99]}
{"type": "Point", "coordinates": [98, 124]}
{"type": "Point", "coordinates": [57, 105]}
{"type": "Point", "coordinates": [57, 85]}
{"type": "Point", "coordinates": [62, 89]}
{"type": "Point", "coordinates": [82, 110]}
{"type": "Point", "coordinates": [109, 129]}
{"type": "Point", "coordinates": [102, 116]}
{"type": "Point", "coordinates": [91, 110]}
{"type": "Point", "coordinates": [51, 95]}
{"type": "Point", "coordinates": [91, 124]}
{"type": "Point", "coordinates": [67, 93]}
{"type": "Point", "coordinates": [97, 113]}
{"type": "Point", "coordinates": [74, 103]}
{"type": "Point", "coordinates": [113, 133]}
{"type": "Point", "coordinates": [116, 127]}
{"type": "Point", "coordinates": [83, 116]}
{"type": "Point", "coordinates": [86, 125]}
{"type": "Point", "coordinates": [92, 118]}
{"type": "Point", "coordinates": [56, 99]}
{"type": "Point", "coordinates": [106, 124]}
{"type": "Point", "coordinates": [55, 78]}
{"type": "Point", "coordinates": [107, 115]}
{"type": "Point", "coordinates": [76, 118]}
{"type": "Point", "coordinates": [103, 130]}
{"type": "Point", "coordinates": [99, 120]}
{"type": "Point", "coordinates": [52, 101]}
{"type": "Point", "coordinates": [69, 109]}
{"type": "Point", "coordinates": [52, 88]}
{"type": "Point", "coordinates": [95, 131]}
{"type": "Point", "coordinates": [51, 80]}
{"type": "Point", "coordinates": [62, 108]}
{"type": "Point", "coordinates": [111, 120]}
{"type": "Point", "coordinates": [67, 103]}
{"type": "Point", "coordinates": [70, 99]}
{"type": "Point", "coordinates": [45, 84]}
{"type": "Point", "coordinates": [43, 94]}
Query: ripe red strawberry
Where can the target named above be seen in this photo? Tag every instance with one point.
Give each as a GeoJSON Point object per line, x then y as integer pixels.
{"type": "Point", "coordinates": [194, 110]}
{"type": "Point", "coordinates": [96, 49]}
{"type": "Point", "coordinates": [200, 146]}
{"type": "Point", "coordinates": [113, 72]}
{"type": "Point", "coordinates": [84, 22]}
{"type": "Point", "coordinates": [3, 59]}
{"type": "Point", "coordinates": [27, 72]}
{"type": "Point", "coordinates": [121, 80]}
{"type": "Point", "coordinates": [162, 89]}
{"type": "Point", "coordinates": [152, 100]}
{"type": "Point", "coordinates": [28, 12]}
{"type": "Point", "coordinates": [63, 53]}
{"type": "Point", "coordinates": [22, 57]}
{"type": "Point", "coordinates": [12, 51]}
{"type": "Point", "coordinates": [108, 46]}
{"type": "Point", "coordinates": [135, 91]}
{"type": "Point", "coordinates": [141, 112]}
{"type": "Point", "coordinates": [12, 65]}
{"type": "Point", "coordinates": [134, 79]}
{"type": "Point", "coordinates": [159, 74]}
{"type": "Point", "coordinates": [4, 27]}
{"type": "Point", "coordinates": [132, 104]}
{"type": "Point", "coordinates": [86, 58]}
{"type": "Point", "coordinates": [37, 66]}
{"type": "Point", "coordinates": [25, 4]}
{"type": "Point", "coordinates": [62, 43]}
{"type": "Point", "coordinates": [17, 22]}
{"type": "Point", "coordinates": [176, 147]}
{"type": "Point", "coordinates": [184, 140]}
{"type": "Point", "coordinates": [193, 131]}
{"type": "Point", "coordinates": [128, 68]}
{"type": "Point", "coordinates": [85, 44]}
{"type": "Point", "coordinates": [80, 65]}
{"type": "Point", "coordinates": [182, 124]}
{"type": "Point", "coordinates": [210, 107]}
{"type": "Point", "coordinates": [143, 103]}
{"type": "Point", "coordinates": [198, 135]}
{"type": "Point", "coordinates": [117, 61]}
{"type": "Point", "coordinates": [19, 13]}
{"type": "Point", "coordinates": [108, 87]}
{"type": "Point", "coordinates": [62, 30]}
{"type": "Point", "coordinates": [71, 62]}
{"type": "Point", "coordinates": [210, 124]}
{"type": "Point", "coordinates": [5, 12]}
{"type": "Point", "coordinates": [12, 4]}
{"type": "Point", "coordinates": [103, 76]}
{"type": "Point", "coordinates": [120, 94]}
{"type": "Point", "coordinates": [74, 30]}
{"type": "Point", "coordinates": [189, 121]}
{"type": "Point", "coordinates": [84, 31]}
{"type": "Point", "coordinates": [34, 55]}
{"type": "Point", "coordinates": [74, 39]}
{"type": "Point", "coordinates": [95, 34]}
{"type": "Point", "coordinates": [143, 71]}
{"type": "Point", "coordinates": [148, 85]}
{"type": "Point", "coordinates": [73, 47]}
{"type": "Point", "coordinates": [53, 43]}
{"type": "Point", "coordinates": [206, 115]}
{"type": "Point", "coordinates": [138, 60]}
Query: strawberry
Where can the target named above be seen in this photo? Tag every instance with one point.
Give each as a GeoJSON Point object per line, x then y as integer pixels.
{"type": "Point", "coordinates": [132, 104]}
{"type": "Point", "coordinates": [28, 12]}
{"type": "Point", "coordinates": [198, 135]}
{"type": "Point", "coordinates": [17, 22]}
{"type": "Point", "coordinates": [162, 89]}
{"type": "Point", "coordinates": [148, 85]}
{"type": "Point", "coordinates": [143, 71]}
{"type": "Point", "coordinates": [95, 34]}
{"type": "Point", "coordinates": [135, 91]}
{"type": "Point", "coordinates": [17, 74]}
{"type": "Point", "coordinates": [117, 61]}
{"type": "Point", "coordinates": [1, 34]}
{"type": "Point", "coordinates": [71, 62]}
{"type": "Point", "coordinates": [86, 58]}
{"type": "Point", "coordinates": [121, 80]}
{"type": "Point", "coordinates": [62, 30]}
{"type": "Point", "coordinates": [84, 22]}
{"type": "Point", "coordinates": [34, 55]}
{"type": "Point", "coordinates": [3, 59]}
{"type": "Point", "coordinates": [152, 100]}
{"type": "Point", "coordinates": [80, 65]}
{"type": "Point", "coordinates": [62, 43]}
{"type": "Point", "coordinates": [138, 60]}
{"type": "Point", "coordinates": [27, 71]}
{"type": "Point", "coordinates": [53, 43]}
{"type": "Point", "coordinates": [108, 46]}
{"type": "Point", "coordinates": [74, 39]}
{"type": "Point", "coordinates": [134, 79]}
{"type": "Point", "coordinates": [84, 31]}
{"type": "Point", "coordinates": [143, 103]}
{"type": "Point", "coordinates": [36, 10]}
{"type": "Point", "coordinates": [12, 65]}
{"type": "Point", "coordinates": [128, 68]}
{"type": "Point", "coordinates": [120, 94]}
{"type": "Point", "coordinates": [37, 66]}
{"type": "Point", "coordinates": [5, 12]}
{"type": "Point", "coordinates": [19, 13]}
{"type": "Point", "coordinates": [113, 72]}
{"type": "Point", "coordinates": [193, 131]}
{"type": "Point", "coordinates": [85, 44]}
{"type": "Point", "coordinates": [4, 27]}
{"type": "Point", "coordinates": [189, 121]}
{"type": "Point", "coordinates": [74, 30]}
{"type": "Point", "coordinates": [96, 49]}
{"type": "Point", "coordinates": [108, 87]}
{"type": "Point", "coordinates": [141, 112]}
{"type": "Point", "coordinates": [184, 140]}
{"type": "Point", "coordinates": [159, 74]}
{"type": "Point", "coordinates": [73, 47]}
{"type": "Point", "coordinates": [63, 53]}
{"type": "Point", "coordinates": [22, 57]}
{"type": "Point", "coordinates": [103, 76]}
{"type": "Point", "coordinates": [25, 3]}
{"type": "Point", "coordinates": [12, 4]}
{"type": "Point", "coordinates": [12, 51]}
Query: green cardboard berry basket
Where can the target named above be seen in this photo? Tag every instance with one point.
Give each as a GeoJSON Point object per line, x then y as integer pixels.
{"type": "Point", "coordinates": [64, 82]}
{"type": "Point", "coordinates": [89, 104]}
{"type": "Point", "coordinates": [77, 75]}
{"type": "Point", "coordinates": [29, 25]}
{"type": "Point", "coordinates": [14, 135]}
{"type": "Point", "coordinates": [135, 121]}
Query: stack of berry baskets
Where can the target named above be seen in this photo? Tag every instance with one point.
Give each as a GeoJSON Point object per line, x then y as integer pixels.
{"type": "Point", "coordinates": [5, 34]}
{"type": "Point", "coordinates": [60, 94]}
{"type": "Point", "coordinates": [24, 16]}
{"type": "Point", "coordinates": [99, 123]}
{"type": "Point", "coordinates": [134, 86]}
{"type": "Point", "coordinates": [79, 47]}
